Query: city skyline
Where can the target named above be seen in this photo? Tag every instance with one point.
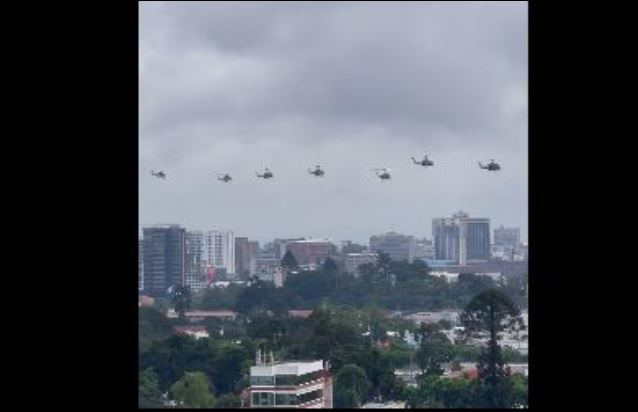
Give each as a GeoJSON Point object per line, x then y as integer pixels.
{"type": "Point", "coordinates": [238, 87]}
{"type": "Point", "coordinates": [336, 241]}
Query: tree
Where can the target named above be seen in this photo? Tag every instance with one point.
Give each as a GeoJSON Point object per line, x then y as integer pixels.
{"type": "Point", "coordinates": [346, 399]}
{"type": "Point", "coordinates": [434, 349]}
{"type": "Point", "coordinates": [149, 394]}
{"type": "Point", "coordinates": [289, 261]}
{"type": "Point", "coordinates": [383, 263]}
{"type": "Point", "coordinates": [367, 272]}
{"type": "Point", "coordinates": [193, 391]}
{"type": "Point", "coordinates": [228, 401]}
{"type": "Point", "coordinates": [445, 324]}
{"type": "Point", "coordinates": [486, 315]}
{"type": "Point", "coordinates": [311, 286]}
{"type": "Point", "coordinates": [153, 326]}
{"type": "Point", "coordinates": [263, 296]}
{"type": "Point", "coordinates": [518, 396]}
{"type": "Point", "coordinates": [218, 298]}
{"type": "Point", "coordinates": [456, 366]}
{"type": "Point", "coordinates": [181, 297]}
{"type": "Point", "coordinates": [351, 387]}
{"type": "Point", "coordinates": [330, 266]}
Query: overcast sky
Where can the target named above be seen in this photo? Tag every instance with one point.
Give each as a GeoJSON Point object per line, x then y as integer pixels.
{"type": "Point", "coordinates": [234, 87]}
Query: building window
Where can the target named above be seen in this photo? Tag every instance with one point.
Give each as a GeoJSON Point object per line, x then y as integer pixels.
{"type": "Point", "coordinates": [262, 380]}
{"type": "Point", "coordinates": [285, 399]}
{"type": "Point", "coordinates": [286, 380]}
{"type": "Point", "coordinates": [310, 396]}
{"type": "Point", "coordinates": [263, 399]}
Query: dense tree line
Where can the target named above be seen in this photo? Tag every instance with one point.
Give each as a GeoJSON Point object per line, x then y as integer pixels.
{"type": "Point", "coordinates": [385, 284]}
{"type": "Point", "coordinates": [341, 335]}
{"type": "Point", "coordinates": [347, 328]}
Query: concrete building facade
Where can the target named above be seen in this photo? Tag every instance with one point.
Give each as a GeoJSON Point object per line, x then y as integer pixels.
{"type": "Point", "coordinates": [352, 261]}
{"type": "Point", "coordinates": [163, 258]}
{"type": "Point", "coordinates": [504, 236]}
{"type": "Point", "coordinates": [195, 262]}
{"type": "Point", "coordinates": [220, 250]}
{"type": "Point", "coordinates": [242, 257]}
{"type": "Point", "coordinates": [399, 247]}
{"type": "Point", "coordinates": [293, 385]}
{"type": "Point", "coordinates": [311, 251]}
{"type": "Point", "coordinates": [461, 239]}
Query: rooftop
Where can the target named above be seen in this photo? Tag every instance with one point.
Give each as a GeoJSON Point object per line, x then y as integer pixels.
{"type": "Point", "coordinates": [300, 313]}
{"type": "Point", "coordinates": [311, 241]}
{"type": "Point", "coordinates": [387, 405]}
{"type": "Point", "coordinates": [287, 368]}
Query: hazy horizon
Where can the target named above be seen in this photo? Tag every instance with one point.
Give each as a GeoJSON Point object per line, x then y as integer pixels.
{"type": "Point", "coordinates": [237, 86]}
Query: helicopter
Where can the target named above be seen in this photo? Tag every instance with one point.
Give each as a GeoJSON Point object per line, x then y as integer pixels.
{"type": "Point", "coordinates": [317, 172]}
{"type": "Point", "coordinates": [160, 175]}
{"type": "Point", "coordinates": [492, 166]}
{"type": "Point", "coordinates": [424, 162]}
{"type": "Point", "coordinates": [267, 174]}
{"type": "Point", "coordinates": [384, 175]}
{"type": "Point", "coordinates": [224, 178]}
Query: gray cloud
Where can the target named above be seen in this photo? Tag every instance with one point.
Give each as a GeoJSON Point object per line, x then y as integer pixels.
{"type": "Point", "coordinates": [240, 85]}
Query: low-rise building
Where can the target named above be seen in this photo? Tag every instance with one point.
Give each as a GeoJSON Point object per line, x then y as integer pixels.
{"type": "Point", "coordinates": [297, 385]}
{"type": "Point", "coordinates": [433, 317]}
{"type": "Point", "coordinates": [311, 251]}
{"type": "Point", "coordinates": [386, 405]}
{"type": "Point", "coordinates": [352, 261]}
{"type": "Point", "coordinates": [450, 277]}
{"type": "Point", "coordinates": [398, 247]}
{"type": "Point", "coordinates": [197, 332]}
{"type": "Point", "coordinates": [199, 315]}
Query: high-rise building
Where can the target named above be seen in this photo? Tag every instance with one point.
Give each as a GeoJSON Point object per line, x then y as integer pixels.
{"type": "Point", "coordinates": [195, 264]}
{"type": "Point", "coordinates": [296, 385]}
{"type": "Point", "coordinates": [506, 236]}
{"type": "Point", "coordinates": [311, 251]}
{"type": "Point", "coordinates": [220, 250]}
{"type": "Point", "coordinates": [253, 252]}
{"type": "Point", "coordinates": [461, 239]}
{"type": "Point", "coordinates": [140, 265]}
{"type": "Point", "coordinates": [243, 249]}
{"type": "Point", "coordinates": [399, 247]}
{"type": "Point", "coordinates": [163, 258]}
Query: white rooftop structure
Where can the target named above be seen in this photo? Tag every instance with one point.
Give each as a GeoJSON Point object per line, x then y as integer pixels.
{"type": "Point", "coordinates": [287, 368]}
{"type": "Point", "coordinates": [309, 240]}
{"type": "Point", "coordinates": [388, 405]}
{"type": "Point", "coordinates": [449, 276]}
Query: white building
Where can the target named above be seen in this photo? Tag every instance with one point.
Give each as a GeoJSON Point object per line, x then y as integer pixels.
{"type": "Point", "coordinates": [297, 385]}
{"type": "Point", "coordinates": [387, 405]}
{"type": "Point", "coordinates": [220, 250]}
{"type": "Point", "coordinates": [495, 276]}
{"type": "Point", "coordinates": [411, 339]}
{"type": "Point", "coordinates": [398, 247]}
{"type": "Point", "coordinates": [449, 276]}
{"type": "Point", "coordinates": [352, 261]}
{"type": "Point", "coordinates": [433, 317]}
{"type": "Point", "coordinates": [461, 239]}
{"type": "Point", "coordinates": [195, 265]}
